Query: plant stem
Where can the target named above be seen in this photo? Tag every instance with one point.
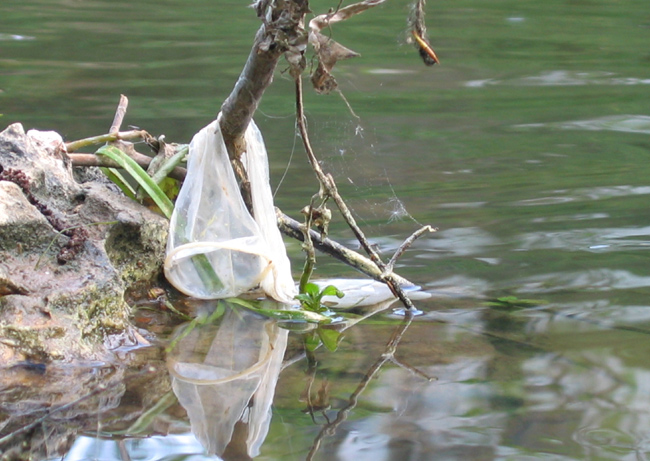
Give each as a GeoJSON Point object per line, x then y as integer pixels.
{"type": "Point", "coordinates": [104, 138]}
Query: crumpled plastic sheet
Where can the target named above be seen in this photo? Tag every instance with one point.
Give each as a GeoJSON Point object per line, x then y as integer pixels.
{"type": "Point", "coordinates": [216, 249]}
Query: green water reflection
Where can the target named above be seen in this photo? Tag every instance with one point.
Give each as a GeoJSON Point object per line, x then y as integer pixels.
{"type": "Point", "coordinates": [527, 147]}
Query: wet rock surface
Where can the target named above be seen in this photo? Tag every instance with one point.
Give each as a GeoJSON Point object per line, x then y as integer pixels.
{"type": "Point", "coordinates": [68, 253]}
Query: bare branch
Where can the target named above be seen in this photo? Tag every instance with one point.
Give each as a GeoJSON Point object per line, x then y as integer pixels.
{"type": "Point", "coordinates": [292, 228]}
{"type": "Point", "coordinates": [104, 138]}
{"type": "Point", "coordinates": [328, 187]}
{"type": "Point", "coordinates": [281, 30]}
{"type": "Point", "coordinates": [119, 114]}
{"type": "Point", "coordinates": [405, 246]}
{"type": "Point", "coordinates": [86, 160]}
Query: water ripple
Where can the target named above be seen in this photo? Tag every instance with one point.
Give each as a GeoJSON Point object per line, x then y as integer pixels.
{"type": "Point", "coordinates": [14, 37]}
{"type": "Point", "coordinates": [595, 280]}
{"type": "Point", "coordinates": [562, 78]}
{"type": "Point", "coordinates": [596, 239]}
{"type": "Point", "coordinates": [588, 193]}
{"type": "Point", "coordinates": [624, 123]}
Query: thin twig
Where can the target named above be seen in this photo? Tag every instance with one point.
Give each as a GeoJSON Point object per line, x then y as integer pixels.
{"type": "Point", "coordinates": [119, 114]}
{"type": "Point", "coordinates": [86, 160]}
{"type": "Point", "coordinates": [292, 228]}
{"type": "Point", "coordinates": [170, 164]}
{"type": "Point", "coordinates": [405, 246]}
{"type": "Point", "coordinates": [104, 138]}
{"type": "Point", "coordinates": [308, 247]}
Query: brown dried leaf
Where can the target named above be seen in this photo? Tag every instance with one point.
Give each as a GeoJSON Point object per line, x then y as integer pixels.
{"type": "Point", "coordinates": [328, 52]}
{"type": "Point", "coordinates": [321, 21]}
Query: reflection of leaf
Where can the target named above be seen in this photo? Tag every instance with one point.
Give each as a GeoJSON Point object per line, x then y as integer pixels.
{"type": "Point", "coordinates": [312, 341]}
{"type": "Point", "coordinates": [144, 424]}
{"type": "Point", "coordinates": [512, 302]}
{"type": "Point", "coordinates": [329, 337]}
{"type": "Point", "coordinates": [198, 321]}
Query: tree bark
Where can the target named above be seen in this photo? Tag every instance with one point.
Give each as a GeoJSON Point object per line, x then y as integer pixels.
{"type": "Point", "coordinates": [281, 30]}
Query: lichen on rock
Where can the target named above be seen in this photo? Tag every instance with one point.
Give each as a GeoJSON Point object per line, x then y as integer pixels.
{"type": "Point", "coordinates": [66, 308]}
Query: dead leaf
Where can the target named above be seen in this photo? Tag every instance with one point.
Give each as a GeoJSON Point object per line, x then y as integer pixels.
{"type": "Point", "coordinates": [328, 51]}
{"type": "Point", "coordinates": [324, 20]}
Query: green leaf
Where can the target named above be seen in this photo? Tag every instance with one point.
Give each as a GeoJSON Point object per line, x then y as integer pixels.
{"type": "Point", "coordinates": [282, 314]}
{"type": "Point", "coordinates": [312, 341]}
{"type": "Point", "coordinates": [312, 289]}
{"type": "Point", "coordinates": [120, 181]}
{"type": "Point", "coordinates": [330, 338]}
{"type": "Point", "coordinates": [331, 290]}
{"type": "Point", "coordinates": [170, 187]}
{"type": "Point", "coordinates": [512, 302]}
{"type": "Point", "coordinates": [303, 298]}
{"type": "Point", "coordinates": [169, 164]}
{"type": "Point", "coordinates": [140, 176]}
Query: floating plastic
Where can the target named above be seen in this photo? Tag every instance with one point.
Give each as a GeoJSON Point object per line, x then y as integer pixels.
{"type": "Point", "coordinates": [365, 292]}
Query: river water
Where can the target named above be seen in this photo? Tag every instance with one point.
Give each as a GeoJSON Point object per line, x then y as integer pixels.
{"type": "Point", "coordinates": [527, 147]}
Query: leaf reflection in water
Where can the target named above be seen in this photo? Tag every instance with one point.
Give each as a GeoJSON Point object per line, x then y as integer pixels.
{"type": "Point", "coordinates": [225, 376]}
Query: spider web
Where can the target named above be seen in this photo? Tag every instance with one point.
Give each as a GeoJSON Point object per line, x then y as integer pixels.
{"type": "Point", "coordinates": [349, 153]}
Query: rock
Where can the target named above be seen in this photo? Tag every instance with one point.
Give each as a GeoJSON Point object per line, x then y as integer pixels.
{"type": "Point", "coordinates": [55, 311]}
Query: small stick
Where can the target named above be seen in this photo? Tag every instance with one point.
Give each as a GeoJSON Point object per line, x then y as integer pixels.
{"type": "Point", "coordinates": [119, 114]}
{"type": "Point", "coordinates": [86, 160]}
{"type": "Point", "coordinates": [405, 246]}
{"type": "Point", "coordinates": [104, 138]}
{"type": "Point", "coordinates": [308, 246]}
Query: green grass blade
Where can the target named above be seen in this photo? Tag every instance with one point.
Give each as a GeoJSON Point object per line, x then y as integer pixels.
{"type": "Point", "coordinates": [120, 181]}
{"type": "Point", "coordinates": [140, 176]}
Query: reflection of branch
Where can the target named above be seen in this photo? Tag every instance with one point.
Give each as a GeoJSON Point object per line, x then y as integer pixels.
{"type": "Point", "coordinates": [387, 356]}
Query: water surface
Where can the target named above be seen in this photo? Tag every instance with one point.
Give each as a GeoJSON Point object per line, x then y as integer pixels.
{"type": "Point", "coordinates": [527, 147]}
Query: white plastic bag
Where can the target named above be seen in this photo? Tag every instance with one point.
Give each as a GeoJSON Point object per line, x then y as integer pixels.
{"type": "Point", "coordinates": [215, 248]}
